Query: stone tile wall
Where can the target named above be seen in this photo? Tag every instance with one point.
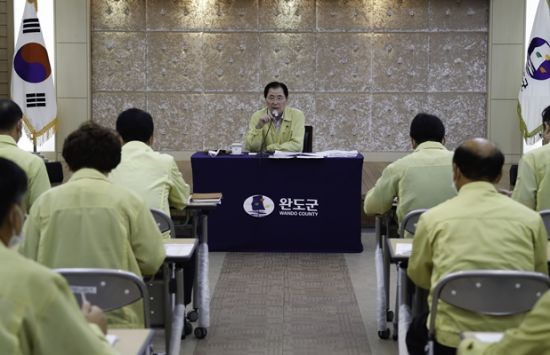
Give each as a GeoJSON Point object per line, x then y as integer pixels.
{"type": "Point", "coordinates": [359, 69]}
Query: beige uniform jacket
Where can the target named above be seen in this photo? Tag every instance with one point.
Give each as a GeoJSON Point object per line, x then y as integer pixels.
{"type": "Point", "coordinates": [89, 222]}
{"type": "Point", "coordinates": [478, 229]}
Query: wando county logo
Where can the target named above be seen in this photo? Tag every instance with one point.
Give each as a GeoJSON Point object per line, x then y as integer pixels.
{"type": "Point", "coordinates": [258, 206]}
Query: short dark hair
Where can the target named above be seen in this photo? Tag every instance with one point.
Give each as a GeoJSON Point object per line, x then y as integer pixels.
{"type": "Point", "coordinates": [479, 167]}
{"type": "Point", "coordinates": [10, 114]}
{"type": "Point", "coordinates": [275, 85]}
{"type": "Point", "coordinates": [92, 146]}
{"type": "Point", "coordinates": [426, 127]}
{"type": "Point", "coordinates": [546, 115]}
{"type": "Point", "coordinates": [135, 125]}
{"type": "Point", "coordinates": [13, 186]}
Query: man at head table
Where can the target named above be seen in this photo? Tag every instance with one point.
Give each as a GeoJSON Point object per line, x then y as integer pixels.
{"type": "Point", "coordinates": [39, 314]}
{"type": "Point", "coordinates": [478, 229]}
{"type": "Point", "coordinates": [276, 126]}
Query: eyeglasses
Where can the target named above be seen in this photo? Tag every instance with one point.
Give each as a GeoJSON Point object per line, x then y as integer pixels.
{"type": "Point", "coordinates": [276, 98]}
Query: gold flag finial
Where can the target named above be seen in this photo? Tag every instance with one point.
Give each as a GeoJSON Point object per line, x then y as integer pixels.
{"type": "Point", "coordinates": [35, 2]}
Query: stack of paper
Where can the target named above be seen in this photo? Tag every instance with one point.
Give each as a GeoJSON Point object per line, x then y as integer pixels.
{"type": "Point", "coordinates": [318, 155]}
{"type": "Point", "coordinates": [213, 197]}
{"type": "Point", "coordinates": [339, 153]}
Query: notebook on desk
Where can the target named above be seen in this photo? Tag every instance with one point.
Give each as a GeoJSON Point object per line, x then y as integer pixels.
{"type": "Point", "coordinates": [211, 197]}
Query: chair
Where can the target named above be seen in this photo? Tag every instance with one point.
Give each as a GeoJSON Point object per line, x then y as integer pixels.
{"type": "Point", "coordinates": [108, 289]}
{"type": "Point", "coordinates": [409, 222]}
{"type": "Point", "coordinates": [308, 139]}
{"type": "Point", "coordinates": [481, 291]}
{"type": "Point", "coordinates": [545, 214]}
{"type": "Point", "coordinates": [164, 222]}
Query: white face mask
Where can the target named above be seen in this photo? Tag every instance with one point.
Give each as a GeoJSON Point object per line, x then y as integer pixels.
{"type": "Point", "coordinates": [17, 238]}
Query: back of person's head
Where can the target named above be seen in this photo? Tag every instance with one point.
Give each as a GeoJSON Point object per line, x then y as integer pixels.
{"type": "Point", "coordinates": [546, 115]}
{"type": "Point", "coordinates": [13, 186]}
{"type": "Point", "coordinates": [135, 125]}
{"type": "Point", "coordinates": [275, 85]}
{"type": "Point", "coordinates": [92, 146]}
{"type": "Point", "coordinates": [426, 127]}
{"type": "Point", "coordinates": [479, 159]}
{"type": "Point", "coordinates": [10, 114]}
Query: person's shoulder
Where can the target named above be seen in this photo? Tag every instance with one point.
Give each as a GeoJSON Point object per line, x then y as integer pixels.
{"type": "Point", "coordinates": [294, 110]}
{"type": "Point", "coordinates": [30, 272]}
{"type": "Point", "coordinates": [538, 154]}
{"type": "Point", "coordinates": [518, 210]}
{"type": "Point", "coordinates": [259, 113]}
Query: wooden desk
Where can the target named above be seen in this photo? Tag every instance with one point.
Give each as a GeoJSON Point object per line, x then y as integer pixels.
{"type": "Point", "coordinates": [132, 341]}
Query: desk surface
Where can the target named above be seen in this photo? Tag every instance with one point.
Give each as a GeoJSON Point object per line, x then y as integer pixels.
{"type": "Point", "coordinates": [179, 249]}
{"type": "Point", "coordinates": [132, 341]}
{"type": "Point", "coordinates": [392, 244]}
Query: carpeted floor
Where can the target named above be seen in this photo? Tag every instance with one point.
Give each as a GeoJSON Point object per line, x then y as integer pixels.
{"type": "Point", "coordinates": [284, 304]}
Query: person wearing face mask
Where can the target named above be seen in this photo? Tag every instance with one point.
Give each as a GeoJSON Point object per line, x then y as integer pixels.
{"type": "Point", "coordinates": [478, 229]}
{"type": "Point", "coordinates": [533, 182]}
{"type": "Point", "coordinates": [276, 127]}
{"type": "Point", "coordinates": [11, 129]}
{"type": "Point", "coordinates": [406, 178]}
{"type": "Point", "coordinates": [44, 322]}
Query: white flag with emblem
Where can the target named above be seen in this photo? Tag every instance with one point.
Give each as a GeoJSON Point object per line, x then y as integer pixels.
{"type": "Point", "coordinates": [31, 79]}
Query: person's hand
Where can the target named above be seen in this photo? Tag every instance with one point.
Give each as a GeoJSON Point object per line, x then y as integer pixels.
{"type": "Point", "coordinates": [94, 314]}
{"type": "Point", "coordinates": [262, 121]}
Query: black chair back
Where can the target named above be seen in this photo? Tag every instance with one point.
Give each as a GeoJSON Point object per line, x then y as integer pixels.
{"type": "Point", "coordinates": [308, 139]}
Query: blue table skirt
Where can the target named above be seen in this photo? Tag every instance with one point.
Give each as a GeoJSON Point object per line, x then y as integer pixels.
{"type": "Point", "coordinates": [282, 205]}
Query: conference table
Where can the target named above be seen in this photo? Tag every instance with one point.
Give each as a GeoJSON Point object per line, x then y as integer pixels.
{"type": "Point", "coordinates": [282, 205]}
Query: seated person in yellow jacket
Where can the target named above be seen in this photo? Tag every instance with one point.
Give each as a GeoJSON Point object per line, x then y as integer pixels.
{"type": "Point", "coordinates": [421, 179]}
{"type": "Point", "coordinates": [532, 337]}
{"type": "Point", "coordinates": [38, 312]}
{"type": "Point", "coordinates": [478, 229]}
{"type": "Point", "coordinates": [533, 182]}
{"type": "Point", "coordinates": [91, 223]}
{"type": "Point", "coordinates": [152, 175]}
{"type": "Point", "coordinates": [276, 126]}
{"type": "Point", "coordinates": [11, 130]}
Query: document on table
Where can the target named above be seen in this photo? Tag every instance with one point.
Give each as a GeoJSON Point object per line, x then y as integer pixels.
{"type": "Point", "coordinates": [111, 339]}
{"type": "Point", "coordinates": [485, 337]}
{"type": "Point", "coordinates": [176, 250]}
{"type": "Point", "coordinates": [403, 249]}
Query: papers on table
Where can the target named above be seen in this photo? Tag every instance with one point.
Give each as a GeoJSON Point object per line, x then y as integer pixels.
{"type": "Point", "coordinates": [485, 337]}
{"type": "Point", "coordinates": [403, 249]}
{"type": "Point", "coordinates": [111, 339]}
{"type": "Point", "coordinates": [318, 155]}
{"type": "Point", "coordinates": [178, 250]}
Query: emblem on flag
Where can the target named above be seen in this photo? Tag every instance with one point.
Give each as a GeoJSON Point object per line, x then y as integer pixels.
{"type": "Point", "coordinates": [31, 79]}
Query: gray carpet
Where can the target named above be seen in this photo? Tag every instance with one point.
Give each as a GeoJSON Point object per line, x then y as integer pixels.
{"type": "Point", "coordinates": [284, 304]}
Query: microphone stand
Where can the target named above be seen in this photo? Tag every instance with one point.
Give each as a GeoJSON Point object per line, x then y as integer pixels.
{"type": "Point", "coordinates": [264, 137]}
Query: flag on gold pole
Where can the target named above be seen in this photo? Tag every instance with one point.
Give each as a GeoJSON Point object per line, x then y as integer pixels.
{"type": "Point", "coordinates": [534, 93]}
{"type": "Point", "coordinates": [31, 78]}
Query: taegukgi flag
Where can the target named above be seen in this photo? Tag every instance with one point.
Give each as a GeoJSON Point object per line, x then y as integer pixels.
{"type": "Point", "coordinates": [31, 79]}
{"type": "Point", "coordinates": [534, 94]}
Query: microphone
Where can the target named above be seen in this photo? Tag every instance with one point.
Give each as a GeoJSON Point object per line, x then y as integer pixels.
{"type": "Point", "coordinates": [262, 146]}
{"type": "Point", "coordinates": [275, 114]}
